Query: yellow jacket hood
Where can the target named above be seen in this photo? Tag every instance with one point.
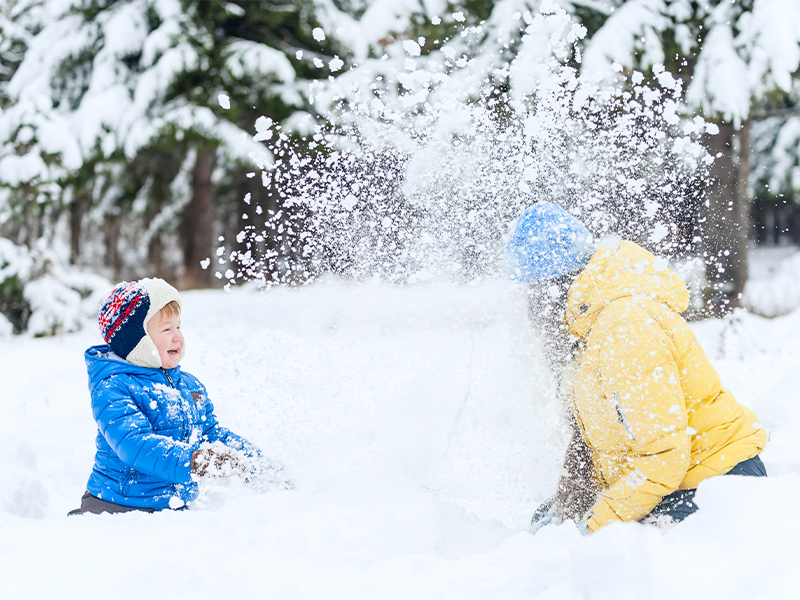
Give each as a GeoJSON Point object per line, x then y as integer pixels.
{"type": "Point", "coordinates": [629, 271]}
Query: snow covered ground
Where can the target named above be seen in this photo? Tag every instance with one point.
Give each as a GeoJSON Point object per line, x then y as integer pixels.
{"type": "Point", "coordinates": [420, 428]}
{"type": "Point", "coordinates": [773, 287]}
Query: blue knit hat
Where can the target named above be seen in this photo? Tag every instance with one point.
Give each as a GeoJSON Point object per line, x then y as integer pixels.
{"type": "Point", "coordinates": [546, 241]}
{"type": "Point", "coordinates": [125, 314]}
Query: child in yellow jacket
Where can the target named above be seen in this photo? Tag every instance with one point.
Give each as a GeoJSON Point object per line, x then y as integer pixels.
{"type": "Point", "coordinates": [651, 417]}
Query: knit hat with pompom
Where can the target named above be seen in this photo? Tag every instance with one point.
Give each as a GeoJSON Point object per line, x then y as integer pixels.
{"type": "Point", "coordinates": [125, 314]}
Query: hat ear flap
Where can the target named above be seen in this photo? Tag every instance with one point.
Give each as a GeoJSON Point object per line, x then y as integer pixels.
{"type": "Point", "coordinates": [123, 318]}
{"type": "Point", "coordinates": [145, 354]}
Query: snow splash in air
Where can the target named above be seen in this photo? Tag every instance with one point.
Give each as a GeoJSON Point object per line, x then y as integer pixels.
{"type": "Point", "coordinates": [429, 158]}
{"type": "Point", "coordinates": [427, 161]}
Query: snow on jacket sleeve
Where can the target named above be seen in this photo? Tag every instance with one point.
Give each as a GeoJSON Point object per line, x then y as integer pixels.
{"type": "Point", "coordinates": [132, 438]}
{"type": "Point", "coordinates": [634, 418]}
{"type": "Point", "coordinates": [213, 431]}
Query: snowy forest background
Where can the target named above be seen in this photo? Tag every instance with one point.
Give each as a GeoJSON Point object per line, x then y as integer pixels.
{"type": "Point", "coordinates": [213, 142]}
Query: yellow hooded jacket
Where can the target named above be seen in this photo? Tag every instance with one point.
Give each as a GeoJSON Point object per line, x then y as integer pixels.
{"type": "Point", "coordinates": [649, 404]}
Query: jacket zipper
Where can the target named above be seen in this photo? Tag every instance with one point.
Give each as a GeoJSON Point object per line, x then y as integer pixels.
{"type": "Point", "coordinates": [184, 430]}
{"type": "Point", "coordinates": [621, 416]}
{"type": "Point", "coordinates": [168, 377]}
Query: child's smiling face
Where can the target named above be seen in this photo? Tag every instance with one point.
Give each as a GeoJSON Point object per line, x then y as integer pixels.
{"type": "Point", "coordinates": [166, 334]}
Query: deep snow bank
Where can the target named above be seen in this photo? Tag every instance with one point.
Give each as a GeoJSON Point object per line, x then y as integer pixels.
{"type": "Point", "coordinates": [442, 384]}
{"type": "Point", "coordinates": [421, 430]}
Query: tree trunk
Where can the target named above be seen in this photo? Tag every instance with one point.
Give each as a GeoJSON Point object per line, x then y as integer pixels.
{"type": "Point", "coordinates": [743, 206]}
{"type": "Point", "coordinates": [198, 222]}
{"type": "Point", "coordinates": [155, 254]}
{"type": "Point", "coordinates": [76, 210]}
{"type": "Point", "coordinates": [726, 222]}
{"type": "Point", "coordinates": [111, 239]}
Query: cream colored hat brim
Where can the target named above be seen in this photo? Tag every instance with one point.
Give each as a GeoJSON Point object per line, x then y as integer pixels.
{"type": "Point", "coordinates": [145, 353]}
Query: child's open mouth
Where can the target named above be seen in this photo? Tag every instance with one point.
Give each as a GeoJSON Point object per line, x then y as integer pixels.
{"type": "Point", "coordinates": [173, 351]}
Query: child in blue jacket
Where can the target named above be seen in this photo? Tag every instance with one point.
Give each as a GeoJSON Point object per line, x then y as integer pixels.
{"type": "Point", "coordinates": [156, 429]}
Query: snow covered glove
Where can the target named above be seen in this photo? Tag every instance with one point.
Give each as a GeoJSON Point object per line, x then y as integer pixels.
{"type": "Point", "coordinates": [582, 527]}
{"type": "Point", "coordinates": [547, 515]}
{"type": "Point", "coordinates": [551, 519]}
{"type": "Point", "coordinates": [218, 460]}
{"type": "Point", "coordinates": [543, 515]}
{"type": "Point", "coordinates": [267, 475]}
{"type": "Point", "coordinates": [555, 519]}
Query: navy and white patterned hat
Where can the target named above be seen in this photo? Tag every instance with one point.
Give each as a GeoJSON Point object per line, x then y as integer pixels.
{"type": "Point", "coordinates": [125, 314]}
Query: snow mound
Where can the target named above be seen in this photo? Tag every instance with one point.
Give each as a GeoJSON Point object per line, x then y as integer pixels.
{"type": "Point", "coordinates": [774, 286]}
{"type": "Point", "coordinates": [420, 430]}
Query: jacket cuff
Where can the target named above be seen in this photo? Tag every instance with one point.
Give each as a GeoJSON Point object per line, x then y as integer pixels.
{"type": "Point", "coordinates": [183, 468]}
{"type": "Point", "coordinates": [592, 525]}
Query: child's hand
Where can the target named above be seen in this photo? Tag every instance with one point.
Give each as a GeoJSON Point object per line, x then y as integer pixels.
{"type": "Point", "coordinates": [218, 460]}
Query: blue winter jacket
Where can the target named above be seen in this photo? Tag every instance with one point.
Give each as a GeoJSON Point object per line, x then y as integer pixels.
{"type": "Point", "coordinates": [149, 421]}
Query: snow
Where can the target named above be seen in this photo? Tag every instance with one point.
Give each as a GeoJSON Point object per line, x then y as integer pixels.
{"type": "Point", "coordinates": [60, 297]}
{"type": "Point", "coordinates": [381, 20]}
{"type": "Point", "coordinates": [18, 169]}
{"type": "Point", "coordinates": [429, 120]}
{"type": "Point", "coordinates": [615, 41]}
{"type": "Point", "coordinates": [103, 102]}
{"type": "Point", "coordinates": [773, 288]}
{"type": "Point", "coordinates": [417, 421]}
{"type": "Point", "coordinates": [751, 50]}
{"type": "Point", "coordinates": [243, 57]}
{"type": "Point", "coordinates": [772, 31]}
{"type": "Point", "coordinates": [6, 328]}
{"type": "Point", "coordinates": [412, 47]}
{"type": "Point", "coordinates": [335, 64]}
{"type": "Point", "coordinates": [720, 71]}
{"type": "Point", "coordinates": [778, 164]}
{"type": "Point", "coordinates": [420, 429]}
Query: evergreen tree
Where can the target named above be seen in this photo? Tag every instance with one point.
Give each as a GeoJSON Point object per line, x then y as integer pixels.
{"type": "Point", "coordinates": [736, 59]}
{"type": "Point", "coordinates": [134, 119]}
